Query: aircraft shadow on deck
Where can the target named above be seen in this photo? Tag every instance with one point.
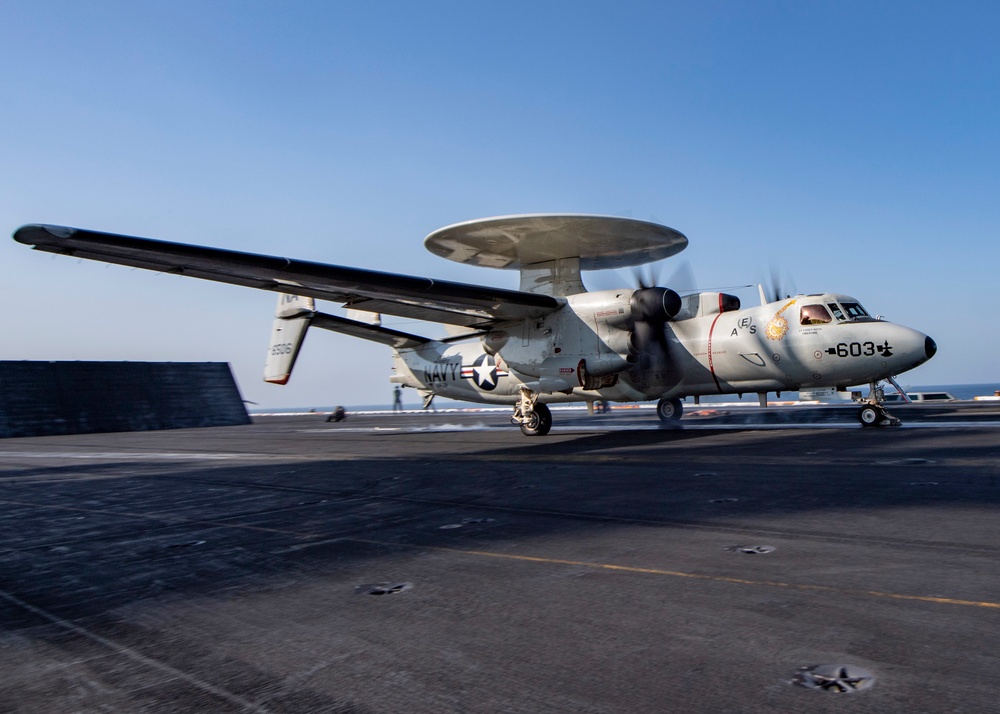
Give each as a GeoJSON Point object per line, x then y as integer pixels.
{"type": "Point", "coordinates": [114, 533]}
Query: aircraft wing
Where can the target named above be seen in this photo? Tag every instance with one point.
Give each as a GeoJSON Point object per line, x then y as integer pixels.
{"type": "Point", "coordinates": [404, 295]}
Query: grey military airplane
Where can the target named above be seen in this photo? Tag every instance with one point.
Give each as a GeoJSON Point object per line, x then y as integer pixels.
{"type": "Point", "coordinates": [551, 341]}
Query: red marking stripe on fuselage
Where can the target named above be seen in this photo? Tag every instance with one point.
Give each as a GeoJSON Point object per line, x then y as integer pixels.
{"type": "Point", "coordinates": [711, 362]}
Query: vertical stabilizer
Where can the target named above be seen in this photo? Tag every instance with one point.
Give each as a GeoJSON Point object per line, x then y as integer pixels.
{"type": "Point", "coordinates": [291, 320]}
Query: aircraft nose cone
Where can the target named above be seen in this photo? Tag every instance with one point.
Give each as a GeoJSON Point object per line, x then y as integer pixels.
{"type": "Point", "coordinates": [930, 347]}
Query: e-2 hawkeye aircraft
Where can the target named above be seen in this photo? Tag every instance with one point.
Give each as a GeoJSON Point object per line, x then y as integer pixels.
{"type": "Point", "coordinates": [550, 341]}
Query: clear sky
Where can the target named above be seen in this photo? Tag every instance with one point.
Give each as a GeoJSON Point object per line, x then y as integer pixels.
{"type": "Point", "coordinates": [854, 144]}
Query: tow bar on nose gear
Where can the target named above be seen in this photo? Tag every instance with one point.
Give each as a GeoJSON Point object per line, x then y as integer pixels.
{"type": "Point", "coordinates": [873, 412]}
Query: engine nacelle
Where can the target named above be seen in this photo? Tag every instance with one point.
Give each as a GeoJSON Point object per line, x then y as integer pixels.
{"type": "Point", "coordinates": [707, 304]}
{"type": "Point", "coordinates": [608, 314]}
{"type": "Point", "coordinates": [593, 338]}
{"type": "Point", "coordinates": [619, 341]}
{"type": "Point", "coordinates": [626, 323]}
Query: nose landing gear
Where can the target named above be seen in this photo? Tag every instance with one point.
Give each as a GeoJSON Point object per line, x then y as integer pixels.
{"type": "Point", "coordinates": [873, 412]}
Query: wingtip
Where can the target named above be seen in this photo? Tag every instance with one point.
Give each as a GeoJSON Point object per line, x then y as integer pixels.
{"type": "Point", "coordinates": [40, 233]}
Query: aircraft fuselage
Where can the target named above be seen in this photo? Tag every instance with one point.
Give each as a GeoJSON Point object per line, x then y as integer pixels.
{"type": "Point", "coordinates": [582, 352]}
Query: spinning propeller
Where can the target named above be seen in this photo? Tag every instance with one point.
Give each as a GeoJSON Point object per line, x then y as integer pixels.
{"type": "Point", "coordinates": [681, 280]}
{"type": "Point", "coordinates": [653, 306]}
{"type": "Point", "coordinates": [779, 287]}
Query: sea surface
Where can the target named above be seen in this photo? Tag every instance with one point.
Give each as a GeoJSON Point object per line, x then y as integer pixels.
{"type": "Point", "coordinates": [960, 391]}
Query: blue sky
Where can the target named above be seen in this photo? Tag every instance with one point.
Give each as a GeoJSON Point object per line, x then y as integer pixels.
{"type": "Point", "coordinates": [854, 144]}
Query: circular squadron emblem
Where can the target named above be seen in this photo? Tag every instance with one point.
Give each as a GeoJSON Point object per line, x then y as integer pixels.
{"type": "Point", "coordinates": [776, 328]}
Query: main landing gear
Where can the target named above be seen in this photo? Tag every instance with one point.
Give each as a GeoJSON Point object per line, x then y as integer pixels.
{"type": "Point", "coordinates": [532, 416]}
{"type": "Point", "coordinates": [669, 410]}
{"type": "Point", "coordinates": [873, 413]}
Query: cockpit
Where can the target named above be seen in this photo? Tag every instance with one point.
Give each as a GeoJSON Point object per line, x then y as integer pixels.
{"type": "Point", "coordinates": [832, 308]}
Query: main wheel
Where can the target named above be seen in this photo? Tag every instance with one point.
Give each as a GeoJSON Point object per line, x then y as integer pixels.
{"type": "Point", "coordinates": [669, 410]}
{"type": "Point", "coordinates": [869, 415]}
{"type": "Point", "coordinates": [539, 421]}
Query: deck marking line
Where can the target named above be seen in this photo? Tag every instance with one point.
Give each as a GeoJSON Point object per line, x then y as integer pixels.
{"type": "Point", "coordinates": [695, 576]}
{"type": "Point", "coordinates": [132, 654]}
{"type": "Point", "coordinates": [167, 519]}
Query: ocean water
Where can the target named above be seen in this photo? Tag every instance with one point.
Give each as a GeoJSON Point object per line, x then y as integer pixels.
{"type": "Point", "coordinates": [961, 391]}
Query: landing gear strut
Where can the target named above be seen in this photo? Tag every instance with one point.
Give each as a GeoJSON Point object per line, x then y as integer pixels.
{"type": "Point", "coordinates": [873, 413]}
{"type": "Point", "coordinates": [532, 416]}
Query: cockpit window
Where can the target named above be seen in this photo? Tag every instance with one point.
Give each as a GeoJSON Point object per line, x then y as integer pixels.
{"type": "Point", "coordinates": [814, 315]}
{"type": "Point", "coordinates": [854, 310]}
{"type": "Point", "coordinates": [835, 309]}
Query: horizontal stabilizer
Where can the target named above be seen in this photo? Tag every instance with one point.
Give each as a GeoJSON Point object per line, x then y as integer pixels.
{"type": "Point", "coordinates": [366, 331]}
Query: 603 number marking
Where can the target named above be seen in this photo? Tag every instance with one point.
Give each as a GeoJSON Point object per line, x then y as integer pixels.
{"type": "Point", "coordinates": [852, 349]}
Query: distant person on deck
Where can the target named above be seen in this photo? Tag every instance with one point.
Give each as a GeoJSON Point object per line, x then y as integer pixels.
{"type": "Point", "coordinates": [397, 400]}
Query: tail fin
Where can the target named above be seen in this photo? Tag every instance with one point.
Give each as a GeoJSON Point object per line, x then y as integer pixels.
{"type": "Point", "coordinates": [291, 320]}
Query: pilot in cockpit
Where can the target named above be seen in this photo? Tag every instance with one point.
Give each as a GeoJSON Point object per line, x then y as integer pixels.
{"type": "Point", "coordinates": [814, 315]}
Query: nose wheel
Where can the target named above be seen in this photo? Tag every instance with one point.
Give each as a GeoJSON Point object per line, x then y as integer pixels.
{"type": "Point", "coordinates": [873, 412]}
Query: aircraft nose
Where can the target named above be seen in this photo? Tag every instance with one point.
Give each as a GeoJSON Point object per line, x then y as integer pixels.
{"type": "Point", "coordinates": [930, 347]}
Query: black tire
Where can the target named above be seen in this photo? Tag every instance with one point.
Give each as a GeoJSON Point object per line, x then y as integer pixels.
{"type": "Point", "coordinates": [669, 410]}
{"type": "Point", "coordinates": [539, 421]}
{"type": "Point", "coordinates": [869, 415]}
